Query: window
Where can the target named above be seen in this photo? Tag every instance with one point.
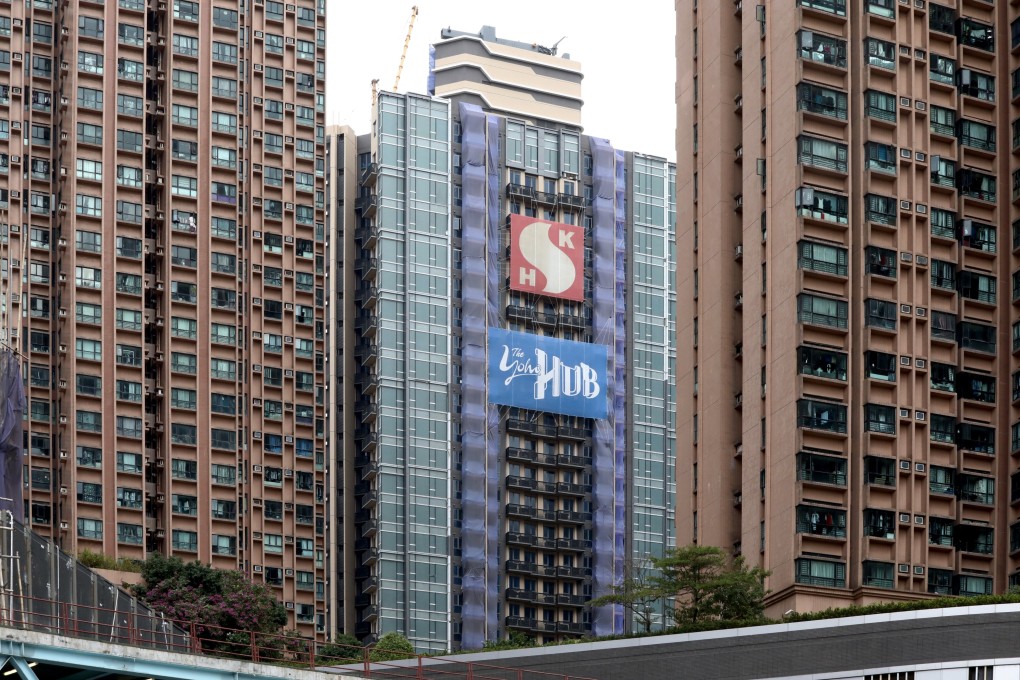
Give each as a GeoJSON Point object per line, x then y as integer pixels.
{"type": "Point", "coordinates": [224, 509]}
{"type": "Point", "coordinates": [881, 157]}
{"type": "Point", "coordinates": [224, 52]}
{"type": "Point", "coordinates": [90, 206]}
{"type": "Point", "coordinates": [976, 185]}
{"type": "Point", "coordinates": [183, 469]}
{"type": "Point", "coordinates": [128, 105]}
{"type": "Point", "coordinates": [822, 153]}
{"type": "Point", "coordinates": [821, 572]}
{"type": "Point", "coordinates": [880, 471]}
{"type": "Point", "coordinates": [821, 415]}
{"type": "Point", "coordinates": [185, 45]}
{"type": "Point", "coordinates": [129, 427]}
{"type": "Point", "coordinates": [976, 84]}
{"type": "Point", "coordinates": [88, 241]}
{"type": "Point", "coordinates": [129, 176]}
{"type": "Point", "coordinates": [183, 504]}
{"type": "Point", "coordinates": [185, 541]}
{"type": "Point", "coordinates": [977, 336]}
{"type": "Point", "coordinates": [943, 121]}
{"type": "Point", "coordinates": [129, 69]}
{"type": "Point", "coordinates": [183, 363]}
{"type": "Point", "coordinates": [129, 462]}
{"type": "Point", "coordinates": [183, 398]}
{"type": "Point", "coordinates": [975, 489]}
{"type": "Point", "coordinates": [90, 62]}
{"type": "Point", "coordinates": [89, 456]}
{"type": "Point", "coordinates": [129, 34]}
{"type": "Point", "coordinates": [878, 574]}
{"type": "Point", "coordinates": [90, 27]}
{"type": "Point", "coordinates": [89, 492]}
{"type": "Point", "coordinates": [880, 105]}
{"type": "Point", "coordinates": [880, 418]}
{"type": "Point", "coordinates": [129, 141]}
{"type": "Point", "coordinates": [879, 524]}
{"type": "Point", "coordinates": [880, 53]}
{"type": "Point", "coordinates": [943, 274]}
{"type": "Point", "coordinates": [977, 135]}
{"type": "Point", "coordinates": [185, 80]}
{"type": "Point", "coordinates": [817, 310]}
{"type": "Point", "coordinates": [91, 350]}
{"type": "Point", "coordinates": [942, 69]}
{"type": "Point", "coordinates": [821, 205]}
{"type": "Point", "coordinates": [129, 533]}
{"type": "Point", "coordinates": [223, 439]}
{"type": "Point", "coordinates": [224, 545]}
{"type": "Point", "coordinates": [223, 334]}
{"type": "Point", "coordinates": [183, 434]}
{"type": "Point", "coordinates": [90, 528]}
{"type": "Point", "coordinates": [185, 115]}
{"type": "Point", "coordinates": [224, 474]}
{"type": "Point", "coordinates": [821, 521]}
{"type": "Point", "coordinates": [976, 286]}
{"type": "Point", "coordinates": [823, 258]}
{"type": "Point", "coordinates": [129, 355]}
{"type": "Point", "coordinates": [272, 543]}
{"type": "Point", "coordinates": [129, 498]}
{"type": "Point", "coordinates": [880, 366]}
{"type": "Point", "coordinates": [880, 313]}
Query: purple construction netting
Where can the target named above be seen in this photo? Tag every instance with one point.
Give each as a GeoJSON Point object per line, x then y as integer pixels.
{"type": "Point", "coordinates": [474, 533]}
{"type": "Point", "coordinates": [604, 324]}
{"type": "Point", "coordinates": [492, 411]}
{"type": "Point", "coordinates": [620, 397]}
{"type": "Point", "coordinates": [431, 84]}
{"type": "Point", "coordinates": [12, 452]}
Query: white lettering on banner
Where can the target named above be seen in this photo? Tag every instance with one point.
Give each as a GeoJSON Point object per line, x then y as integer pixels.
{"type": "Point", "coordinates": [551, 375]}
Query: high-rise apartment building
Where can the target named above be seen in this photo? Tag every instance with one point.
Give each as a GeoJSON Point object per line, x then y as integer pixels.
{"type": "Point", "coordinates": [849, 410]}
{"type": "Point", "coordinates": [505, 337]}
{"type": "Point", "coordinates": [163, 244]}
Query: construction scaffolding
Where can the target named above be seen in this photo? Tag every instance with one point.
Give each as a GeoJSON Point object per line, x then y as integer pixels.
{"type": "Point", "coordinates": [44, 589]}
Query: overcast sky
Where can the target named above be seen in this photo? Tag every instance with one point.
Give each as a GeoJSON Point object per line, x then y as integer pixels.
{"type": "Point", "coordinates": [625, 49]}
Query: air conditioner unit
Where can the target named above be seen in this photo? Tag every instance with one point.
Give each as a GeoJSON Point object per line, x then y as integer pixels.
{"type": "Point", "coordinates": [905, 465]}
{"type": "Point", "coordinates": [63, 454]}
{"type": "Point", "coordinates": [62, 384]}
{"type": "Point", "coordinates": [288, 473]}
{"type": "Point", "coordinates": [160, 533]}
{"type": "Point", "coordinates": [256, 469]}
{"type": "Point", "coordinates": [289, 605]}
{"type": "Point", "coordinates": [63, 491]}
{"type": "Point", "coordinates": [258, 567]}
{"type": "Point", "coordinates": [288, 572]}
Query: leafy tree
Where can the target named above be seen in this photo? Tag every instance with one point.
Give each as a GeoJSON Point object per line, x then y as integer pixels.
{"type": "Point", "coordinates": [392, 647]}
{"type": "Point", "coordinates": [516, 640]}
{"type": "Point", "coordinates": [342, 649]}
{"type": "Point", "coordinates": [225, 607]}
{"type": "Point", "coordinates": [705, 583]}
{"type": "Point", "coordinates": [638, 594]}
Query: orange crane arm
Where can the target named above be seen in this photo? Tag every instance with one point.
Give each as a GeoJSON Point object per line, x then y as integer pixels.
{"type": "Point", "coordinates": [407, 41]}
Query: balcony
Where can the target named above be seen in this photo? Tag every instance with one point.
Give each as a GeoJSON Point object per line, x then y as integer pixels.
{"type": "Point", "coordinates": [572, 201]}
{"type": "Point", "coordinates": [572, 489]}
{"type": "Point", "coordinates": [367, 353]}
{"type": "Point", "coordinates": [577, 573]}
{"type": "Point", "coordinates": [533, 625]}
{"type": "Point", "coordinates": [518, 510]}
{"type": "Point", "coordinates": [368, 236]}
{"type": "Point", "coordinates": [545, 198]}
{"type": "Point", "coordinates": [367, 205]}
{"type": "Point", "coordinates": [370, 174]}
{"type": "Point", "coordinates": [368, 295]}
{"type": "Point", "coordinates": [531, 597]}
{"type": "Point", "coordinates": [521, 483]}
{"type": "Point", "coordinates": [573, 517]}
{"type": "Point", "coordinates": [367, 267]}
{"type": "Point", "coordinates": [573, 544]}
{"type": "Point", "coordinates": [520, 191]}
{"type": "Point", "coordinates": [520, 313]}
{"type": "Point", "coordinates": [575, 462]}
{"type": "Point", "coordinates": [573, 321]}
{"type": "Point", "coordinates": [579, 434]}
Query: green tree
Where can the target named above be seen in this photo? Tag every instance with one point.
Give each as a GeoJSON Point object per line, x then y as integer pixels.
{"type": "Point", "coordinates": [342, 649]}
{"type": "Point", "coordinates": [637, 594]}
{"type": "Point", "coordinates": [704, 582]}
{"type": "Point", "coordinates": [392, 647]}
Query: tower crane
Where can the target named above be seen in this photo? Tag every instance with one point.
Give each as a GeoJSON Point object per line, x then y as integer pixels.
{"type": "Point", "coordinates": [407, 41]}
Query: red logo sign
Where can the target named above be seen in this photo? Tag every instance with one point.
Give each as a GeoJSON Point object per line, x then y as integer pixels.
{"type": "Point", "coordinates": [546, 258]}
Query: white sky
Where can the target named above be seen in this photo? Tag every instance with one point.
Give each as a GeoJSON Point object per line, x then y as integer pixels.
{"type": "Point", "coordinates": [626, 50]}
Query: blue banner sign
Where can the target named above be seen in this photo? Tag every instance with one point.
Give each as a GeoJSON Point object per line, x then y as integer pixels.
{"type": "Point", "coordinates": [547, 374]}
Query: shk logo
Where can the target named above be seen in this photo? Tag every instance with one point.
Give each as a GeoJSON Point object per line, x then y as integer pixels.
{"type": "Point", "coordinates": [546, 258]}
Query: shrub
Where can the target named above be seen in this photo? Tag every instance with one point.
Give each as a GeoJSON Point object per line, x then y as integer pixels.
{"type": "Point", "coordinates": [392, 647]}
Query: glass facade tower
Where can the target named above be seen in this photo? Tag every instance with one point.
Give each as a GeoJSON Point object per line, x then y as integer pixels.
{"type": "Point", "coordinates": [464, 520]}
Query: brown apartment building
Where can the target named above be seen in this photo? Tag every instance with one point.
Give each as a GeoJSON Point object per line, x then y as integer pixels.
{"type": "Point", "coordinates": [848, 278]}
{"type": "Point", "coordinates": [162, 188]}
